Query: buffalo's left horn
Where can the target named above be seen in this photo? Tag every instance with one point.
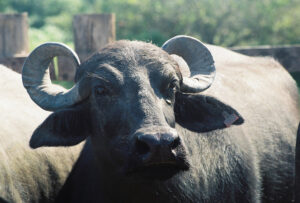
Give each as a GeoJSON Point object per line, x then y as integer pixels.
{"type": "Point", "coordinates": [199, 60]}
{"type": "Point", "coordinates": [36, 78]}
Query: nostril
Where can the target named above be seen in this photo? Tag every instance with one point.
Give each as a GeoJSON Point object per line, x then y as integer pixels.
{"type": "Point", "coordinates": [175, 143]}
{"type": "Point", "coordinates": [141, 147]}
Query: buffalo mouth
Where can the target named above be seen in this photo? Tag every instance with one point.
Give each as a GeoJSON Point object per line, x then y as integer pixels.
{"type": "Point", "coordinates": [158, 171]}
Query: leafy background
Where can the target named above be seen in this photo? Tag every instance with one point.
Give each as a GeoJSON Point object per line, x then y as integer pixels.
{"type": "Point", "coordinates": [222, 22]}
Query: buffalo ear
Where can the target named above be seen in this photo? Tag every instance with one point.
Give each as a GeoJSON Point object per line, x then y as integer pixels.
{"type": "Point", "coordinates": [62, 128]}
{"type": "Point", "coordinates": [200, 113]}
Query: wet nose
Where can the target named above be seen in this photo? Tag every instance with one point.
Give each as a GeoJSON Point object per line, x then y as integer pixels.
{"type": "Point", "coordinates": [157, 146]}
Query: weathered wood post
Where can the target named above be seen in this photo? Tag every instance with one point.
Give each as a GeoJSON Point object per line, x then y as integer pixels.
{"type": "Point", "coordinates": [91, 33]}
{"type": "Point", "coordinates": [14, 44]}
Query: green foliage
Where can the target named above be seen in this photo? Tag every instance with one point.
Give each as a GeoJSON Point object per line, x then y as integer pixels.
{"type": "Point", "coordinates": [49, 20]}
{"type": "Point", "coordinates": [48, 33]}
{"type": "Point", "coordinates": [221, 22]}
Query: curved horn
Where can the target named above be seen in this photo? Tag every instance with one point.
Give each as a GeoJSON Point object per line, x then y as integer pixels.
{"type": "Point", "coordinates": [199, 60]}
{"type": "Point", "coordinates": [36, 78]}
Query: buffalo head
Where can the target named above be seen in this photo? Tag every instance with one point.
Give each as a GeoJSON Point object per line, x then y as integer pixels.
{"type": "Point", "coordinates": [128, 98]}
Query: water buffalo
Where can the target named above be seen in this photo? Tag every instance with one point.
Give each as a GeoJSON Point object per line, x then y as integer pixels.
{"type": "Point", "coordinates": [160, 125]}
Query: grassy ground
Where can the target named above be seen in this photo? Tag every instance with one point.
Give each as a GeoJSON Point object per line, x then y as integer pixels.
{"type": "Point", "coordinates": [65, 84]}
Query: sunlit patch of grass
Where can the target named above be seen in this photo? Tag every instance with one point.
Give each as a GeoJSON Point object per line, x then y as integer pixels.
{"type": "Point", "coordinates": [56, 70]}
{"type": "Point", "coordinates": [65, 84]}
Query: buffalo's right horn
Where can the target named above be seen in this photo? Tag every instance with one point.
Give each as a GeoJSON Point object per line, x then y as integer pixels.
{"type": "Point", "coordinates": [36, 78]}
{"type": "Point", "coordinates": [198, 59]}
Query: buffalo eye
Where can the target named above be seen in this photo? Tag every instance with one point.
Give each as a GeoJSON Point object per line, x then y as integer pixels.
{"type": "Point", "coordinates": [173, 85]}
{"type": "Point", "coordinates": [100, 90]}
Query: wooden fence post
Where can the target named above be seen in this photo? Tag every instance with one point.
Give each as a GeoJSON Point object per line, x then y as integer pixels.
{"type": "Point", "coordinates": [14, 44]}
{"type": "Point", "coordinates": [91, 33]}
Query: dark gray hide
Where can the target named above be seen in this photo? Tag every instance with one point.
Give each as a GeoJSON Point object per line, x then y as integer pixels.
{"type": "Point", "coordinates": [150, 140]}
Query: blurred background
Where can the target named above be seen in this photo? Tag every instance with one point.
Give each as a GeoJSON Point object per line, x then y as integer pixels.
{"type": "Point", "coordinates": [222, 22]}
{"type": "Point", "coordinates": [242, 25]}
